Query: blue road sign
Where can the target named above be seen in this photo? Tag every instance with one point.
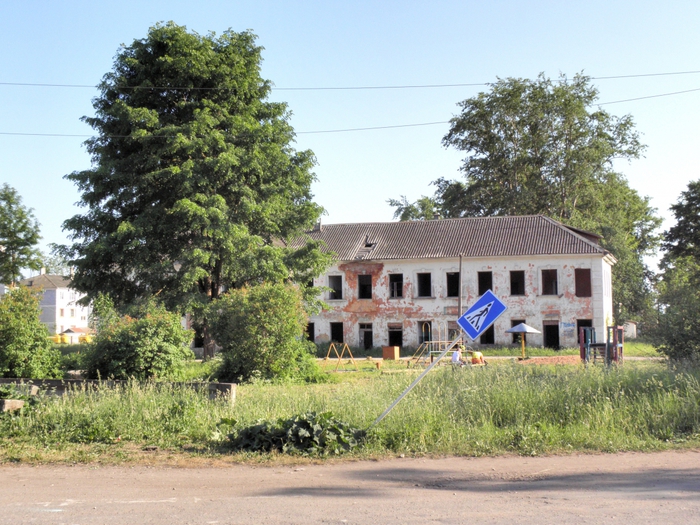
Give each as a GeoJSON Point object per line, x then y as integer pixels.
{"type": "Point", "coordinates": [481, 315]}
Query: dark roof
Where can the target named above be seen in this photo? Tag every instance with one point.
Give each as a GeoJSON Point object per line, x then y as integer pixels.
{"type": "Point", "coordinates": [471, 237]}
{"type": "Point", "coordinates": [47, 282]}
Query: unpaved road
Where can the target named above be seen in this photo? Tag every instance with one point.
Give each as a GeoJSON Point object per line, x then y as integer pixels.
{"type": "Point", "coordinates": [660, 488]}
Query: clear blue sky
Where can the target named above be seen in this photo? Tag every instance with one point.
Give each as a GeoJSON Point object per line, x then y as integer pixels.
{"type": "Point", "coordinates": [358, 43]}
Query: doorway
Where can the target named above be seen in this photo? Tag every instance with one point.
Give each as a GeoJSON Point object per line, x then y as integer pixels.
{"type": "Point", "coordinates": [550, 331]}
{"type": "Point", "coordinates": [366, 335]}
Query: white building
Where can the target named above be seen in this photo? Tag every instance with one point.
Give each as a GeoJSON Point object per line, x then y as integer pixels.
{"type": "Point", "coordinates": [60, 311]}
{"type": "Point", "coordinates": [398, 283]}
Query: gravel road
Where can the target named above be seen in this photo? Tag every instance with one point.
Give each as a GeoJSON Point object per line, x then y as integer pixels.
{"type": "Point", "coordinates": [659, 488]}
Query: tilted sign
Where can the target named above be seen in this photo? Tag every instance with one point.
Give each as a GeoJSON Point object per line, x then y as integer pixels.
{"type": "Point", "coordinates": [481, 315]}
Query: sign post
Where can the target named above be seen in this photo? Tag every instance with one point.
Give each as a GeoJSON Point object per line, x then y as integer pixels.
{"type": "Point", "coordinates": [475, 321]}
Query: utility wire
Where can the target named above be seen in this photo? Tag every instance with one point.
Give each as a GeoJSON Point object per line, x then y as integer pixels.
{"type": "Point", "coordinates": [344, 129]}
{"type": "Point", "coordinates": [340, 88]}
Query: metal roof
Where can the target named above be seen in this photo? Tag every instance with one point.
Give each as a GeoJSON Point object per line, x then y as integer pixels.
{"type": "Point", "coordinates": [448, 238]}
{"type": "Point", "coordinates": [46, 281]}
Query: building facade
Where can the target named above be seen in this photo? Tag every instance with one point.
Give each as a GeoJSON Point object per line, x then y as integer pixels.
{"type": "Point", "coordinates": [60, 311]}
{"type": "Point", "coordinates": [402, 283]}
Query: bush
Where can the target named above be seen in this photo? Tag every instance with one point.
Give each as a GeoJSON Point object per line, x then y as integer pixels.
{"type": "Point", "coordinates": [310, 433]}
{"type": "Point", "coordinates": [150, 345]}
{"type": "Point", "coordinates": [25, 348]}
{"type": "Point", "coordinates": [261, 332]}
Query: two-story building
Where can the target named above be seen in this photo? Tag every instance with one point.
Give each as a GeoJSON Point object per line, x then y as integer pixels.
{"type": "Point", "coordinates": [400, 283]}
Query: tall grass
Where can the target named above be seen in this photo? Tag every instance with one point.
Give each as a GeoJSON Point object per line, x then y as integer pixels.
{"type": "Point", "coordinates": [504, 409]}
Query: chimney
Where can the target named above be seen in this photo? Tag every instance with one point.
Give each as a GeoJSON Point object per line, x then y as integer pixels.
{"type": "Point", "coordinates": [436, 216]}
{"type": "Point", "coordinates": [318, 226]}
{"type": "Point", "coordinates": [42, 271]}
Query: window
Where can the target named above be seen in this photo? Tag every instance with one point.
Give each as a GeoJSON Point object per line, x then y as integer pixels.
{"type": "Point", "coordinates": [61, 313]}
{"type": "Point", "coordinates": [364, 286]}
{"type": "Point", "coordinates": [72, 312]}
{"type": "Point", "coordinates": [488, 337]}
{"type": "Point", "coordinates": [516, 337]}
{"type": "Point", "coordinates": [310, 329]}
{"type": "Point", "coordinates": [395, 334]}
{"type": "Point", "coordinates": [485, 282]}
{"type": "Point", "coordinates": [366, 336]}
{"type": "Point", "coordinates": [549, 282]}
{"type": "Point", "coordinates": [424, 285]}
{"type": "Point", "coordinates": [335, 283]}
{"type": "Point", "coordinates": [396, 285]}
{"type": "Point", "coordinates": [337, 332]}
{"type": "Point", "coordinates": [583, 282]}
{"type": "Point", "coordinates": [452, 284]}
{"type": "Point", "coordinates": [517, 282]}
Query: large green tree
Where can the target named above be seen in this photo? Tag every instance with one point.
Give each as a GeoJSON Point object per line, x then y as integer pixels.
{"type": "Point", "coordinates": [195, 183]}
{"type": "Point", "coordinates": [19, 235]}
{"type": "Point", "coordinates": [542, 147]}
{"type": "Point", "coordinates": [677, 332]}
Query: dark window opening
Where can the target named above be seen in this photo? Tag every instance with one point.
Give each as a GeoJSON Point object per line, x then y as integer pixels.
{"type": "Point", "coordinates": [426, 331]}
{"type": "Point", "coordinates": [310, 332]}
{"type": "Point", "coordinates": [517, 282]}
{"type": "Point", "coordinates": [516, 337]}
{"type": "Point", "coordinates": [335, 283]}
{"type": "Point", "coordinates": [485, 282]}
{"type": "Point", "coordinates": [581, 323]}
{"type": "Point", "coordinates": [364, 286]}
{"type": "Point", "coordinates": [549, 282]}
{"type": "Point", "coordinates": [424, 285]}
{"type": "Point", "coordinates": [396, 285]}
{"type": "Point", "coordinates": [488, 337]}
{"type": "Point", "coordinates": [550, 329]}
{"type": "Point", "coordinates": [337, 332]}
{"type": "Point", "coordinates": [198, 338]}
{"type": "Point", "coordinates": [453, 284]}
{"type": "Point", "coordinates": [583, 282]}
{"type": "Point", "coordinates": [395, 334]}
{"type": "Point", "coordinates": [366, 335]}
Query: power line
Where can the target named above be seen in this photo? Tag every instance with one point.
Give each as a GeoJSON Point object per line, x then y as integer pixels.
{"type": "Point", "coordinates": [339, 130]}
{"type": "Point", "coordinates": [331, 88]}
{"type": "Point", "coordinates": [649, 96]}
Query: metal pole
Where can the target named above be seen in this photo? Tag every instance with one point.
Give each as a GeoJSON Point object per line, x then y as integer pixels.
{"type": "Point", "coordinates": [459, 306]}
{"type": "Point", "coordinates": [396, 402]}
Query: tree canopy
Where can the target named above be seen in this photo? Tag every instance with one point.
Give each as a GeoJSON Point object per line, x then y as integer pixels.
{"type": "Point", "coordinates": [542, 147]}
{"type": "Point", "coordinates": [195, 183]}
{"type": "Point", "coordinates": [679, 284]}
{"type": "Point", "coordinates": [19, 234]}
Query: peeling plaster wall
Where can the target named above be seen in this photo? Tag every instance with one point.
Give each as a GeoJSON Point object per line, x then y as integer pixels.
{"type": "Point", "coordinates": [410, 310]}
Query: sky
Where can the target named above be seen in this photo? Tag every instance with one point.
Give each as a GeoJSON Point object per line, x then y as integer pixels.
{"type": "Point", "coordinates": [334, 44]}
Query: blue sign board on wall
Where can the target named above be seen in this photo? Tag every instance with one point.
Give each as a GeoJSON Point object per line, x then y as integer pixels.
{"type": "Point", "coordinates": [481, 315]}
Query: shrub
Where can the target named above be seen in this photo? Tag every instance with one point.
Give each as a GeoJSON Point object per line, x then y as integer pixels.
{"type": "Point", "coordinates": [261, 332]}
{"type": "Point", "coordinates": [310, 433]}
{"type": "Point", "coordinates": [25, 348]}
{"type": "Point", "coordinates": [149, 345]}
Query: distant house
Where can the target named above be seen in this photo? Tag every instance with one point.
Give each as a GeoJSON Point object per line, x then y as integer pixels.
{"type": "Point", "coordinates": [399, 283]}
{"type": "Point", "coordinates": [60, 311]}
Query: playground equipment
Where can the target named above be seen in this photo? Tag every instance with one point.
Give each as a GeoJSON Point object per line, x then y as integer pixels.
{"type": "Point", "coordinates": [339, 355]}
{"type": "Point", "coordinates": [611, 351]}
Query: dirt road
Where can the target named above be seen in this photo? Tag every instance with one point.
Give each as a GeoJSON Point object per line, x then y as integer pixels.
{"type": "Point", "coordinates": [660, 488]}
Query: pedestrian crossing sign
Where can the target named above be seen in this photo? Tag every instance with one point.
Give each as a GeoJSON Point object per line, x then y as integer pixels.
{"type": "Point", "coordinates": [481, 315]}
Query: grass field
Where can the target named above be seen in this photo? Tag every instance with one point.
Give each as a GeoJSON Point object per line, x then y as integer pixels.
{"type": "Point", "coordinates": [501, 409]}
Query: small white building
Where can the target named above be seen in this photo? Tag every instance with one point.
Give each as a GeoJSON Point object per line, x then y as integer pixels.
{"type": "Point", "coordinates": [399, 283]}
{"type": "Point", "coordinates": [60, 311]}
